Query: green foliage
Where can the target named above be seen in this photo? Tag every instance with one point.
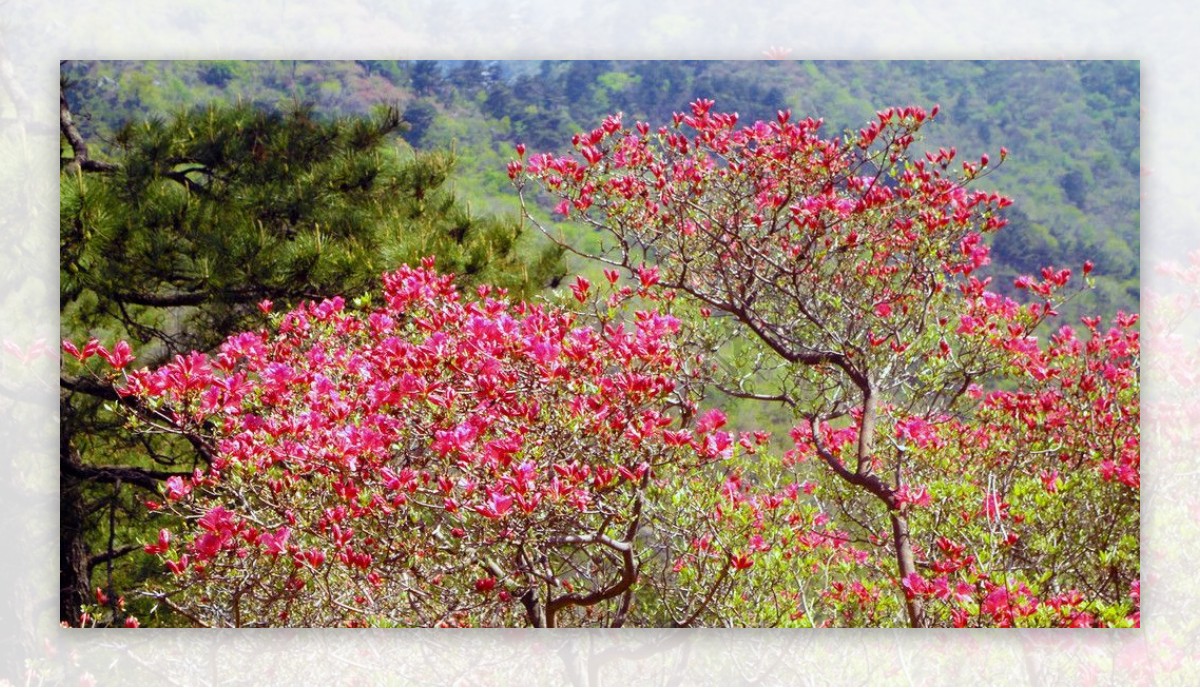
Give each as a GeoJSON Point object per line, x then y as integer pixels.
{"type": "Point", "coordinates": [1071, 127]}
{"type": "Point", "coordinates": [205, 214]}
{"type": "Point", "coordinates": [238, 203]}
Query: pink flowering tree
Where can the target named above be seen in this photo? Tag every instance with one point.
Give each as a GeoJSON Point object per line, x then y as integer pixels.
{"type": "Point", "coordinates": [980, 474]}
{"type": "Point", "coordinates": [432, 461]}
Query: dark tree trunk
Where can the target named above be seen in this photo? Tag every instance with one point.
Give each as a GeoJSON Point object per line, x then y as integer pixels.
{"type": "Point", "coordinates": [74, 579]}
{"type": "Point", "coordinates": [73, 576]}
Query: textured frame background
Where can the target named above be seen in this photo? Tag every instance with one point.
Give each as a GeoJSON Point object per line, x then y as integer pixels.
{"type": "Point", "coordinates": [33, 39]}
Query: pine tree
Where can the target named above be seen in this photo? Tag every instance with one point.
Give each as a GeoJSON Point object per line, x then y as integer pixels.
{"type": "Point", "coordinates": [193, 222]}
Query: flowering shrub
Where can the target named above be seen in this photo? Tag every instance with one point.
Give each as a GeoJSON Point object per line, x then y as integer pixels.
{"type": "Point", "coordinates": [427, 462]}
{"type": "Point", "coordinates": [846, 274]}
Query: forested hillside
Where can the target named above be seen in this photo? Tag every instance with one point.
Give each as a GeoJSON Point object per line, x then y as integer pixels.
{"type": "Point", "coordinates": [1070, 128]}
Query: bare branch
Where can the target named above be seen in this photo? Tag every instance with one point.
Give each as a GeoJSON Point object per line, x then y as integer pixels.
{"type": "Point", "coordinates": [91, 387]}
{"type": "Point", "coordinates": [82, 159]}
{"type": "Point", "coordinates": [104, 557]}
{"type": "Point", "coordinates": [590, 539]}
{"type": "Point", "coordinates": [141, 477]}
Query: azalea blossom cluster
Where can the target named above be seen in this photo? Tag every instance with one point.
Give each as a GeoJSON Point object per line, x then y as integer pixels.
{"type": "Point", "coordinates": [361, 461]}
{"type": "Point", "coordinates": [848, 271]}
{"type": "Point", "coordinates": [722, 206]}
